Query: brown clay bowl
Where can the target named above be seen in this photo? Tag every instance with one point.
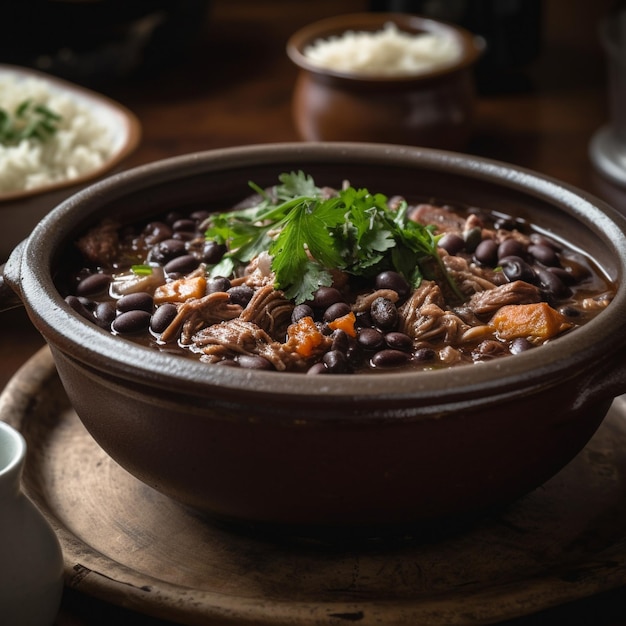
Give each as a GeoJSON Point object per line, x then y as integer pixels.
{"type": "Point", "coordinates": [433, 109]}
{"type": "Point", "coordinates": [338, 450]}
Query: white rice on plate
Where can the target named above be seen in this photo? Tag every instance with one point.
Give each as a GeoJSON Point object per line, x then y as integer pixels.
{"type": "Point", "coordinates": [80, 145]}
{"type": "Point", "coordinates": [386, 52]}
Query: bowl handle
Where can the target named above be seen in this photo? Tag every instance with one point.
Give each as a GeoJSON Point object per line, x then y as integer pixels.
{"type": "Point", "coordinates": [9, 280]}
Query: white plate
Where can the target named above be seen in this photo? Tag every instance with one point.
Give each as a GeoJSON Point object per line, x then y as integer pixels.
{"type": "Point", "coordinates": [20, 211]}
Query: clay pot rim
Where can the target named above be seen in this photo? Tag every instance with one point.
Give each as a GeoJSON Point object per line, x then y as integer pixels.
{"type": "Point", "coordinates": [473, 46]}
{"type": "Point", "coordinates": [30, 268]}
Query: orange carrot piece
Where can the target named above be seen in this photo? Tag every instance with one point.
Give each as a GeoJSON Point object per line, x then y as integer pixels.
{"type": "Point", "coordinates": [304, 336]}
{"type": "Point", "coordinates": [181, 290]}
{"type": "Point", "coordinates": [346, 323]}
{"type": "Point", "coordinates": [536, 322]}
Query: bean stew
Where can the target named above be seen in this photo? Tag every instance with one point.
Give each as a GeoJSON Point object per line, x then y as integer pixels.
{"type": "Point", "coordinates": [320, 280]}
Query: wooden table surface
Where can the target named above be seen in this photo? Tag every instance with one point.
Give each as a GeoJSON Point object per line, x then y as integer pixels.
{"type": "Point", "coordinates": [235, 89]}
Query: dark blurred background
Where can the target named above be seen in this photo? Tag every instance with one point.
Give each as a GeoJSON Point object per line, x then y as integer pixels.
{"type": "Point", "coordinates": [512, 30]}
{"type": "Point", "coordinates": [94, 40]}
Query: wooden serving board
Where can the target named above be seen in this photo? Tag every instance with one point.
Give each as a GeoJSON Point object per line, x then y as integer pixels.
{"type": "Point", "coordinates": [131, 546]}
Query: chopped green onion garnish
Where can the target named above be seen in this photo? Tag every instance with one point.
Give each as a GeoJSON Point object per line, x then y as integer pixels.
{"type": "Point", "coordinates": [141, 270]}
{"type": "Point", "coordinates": [29, 121]}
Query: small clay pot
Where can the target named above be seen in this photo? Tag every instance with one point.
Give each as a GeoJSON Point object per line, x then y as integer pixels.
{"type": "Point", "coordinates": [433, 109]}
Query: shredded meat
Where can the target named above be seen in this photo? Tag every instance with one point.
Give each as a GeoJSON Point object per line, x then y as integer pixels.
{"type": "Point", "coordinates": [473, 221]}
{"type": "Point", "coordinates": [445, 219]}
{"type": "Point", "coordinates": [258, 273]}
{"type": "Point", "coordinates": [269, 310]}
{"type": "Point", "coordinates": [449, 355]}
{"type": "Point", "coordinates": [236, 336]}
{"type": "Point", "coordinates": [100, 245]}
{"type": "Point", "coordinates": [424, 316]}
{"type": "Point", "coordinates": [364, 302]}
{"type": "Point", "coordinates": [489, 349]}
{"type": "Point", "coordinates": [501, 235]}
{"type": "Point", "coordinates": [193, 314]}
{"type": "Point", "coordinates": [517, 292]}
{"type": "Point", "coordinates": [468, 277]}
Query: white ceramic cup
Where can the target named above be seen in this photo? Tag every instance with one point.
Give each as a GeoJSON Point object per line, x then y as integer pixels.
{"type": "Point", "coordinates": [31, 561]}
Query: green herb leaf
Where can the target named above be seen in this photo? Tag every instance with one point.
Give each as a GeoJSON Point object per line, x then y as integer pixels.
{"type": "Point", "coordinates": [29, 121]}
{"type": "Point", "coordinates": [309, 234]}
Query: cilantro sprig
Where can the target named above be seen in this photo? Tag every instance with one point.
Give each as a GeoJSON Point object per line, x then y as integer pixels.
{"type": "Point", "coordinates": [308, 234]}
{"type": "Point", "coordinates": [29, 120]}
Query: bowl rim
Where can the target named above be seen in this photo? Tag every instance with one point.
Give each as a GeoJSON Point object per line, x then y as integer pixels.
{"type": "Point", "coordinates": [435, 390]}
{"type": "Point", "coordinates": [125, 119]}
{"type": "Point", "coordinates": [473, 46]}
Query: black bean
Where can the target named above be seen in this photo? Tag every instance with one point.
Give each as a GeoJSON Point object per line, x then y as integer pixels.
{"type": "Point", "coordinates": [172, 217]}
{"type": "Point", "coordinates": [228, 363]}
{"type": "Point", "coordinates": [325, 329]}
{"type": "Point", "coordinates": [218, 284]}
{"type": "Point", "coordinates": [200, 215]}
{"type": "Point", "coordinates": [542, 240]}
{"type": "Point", "coordinates": [325, 296]}
{"type": "Point", "coordinates": [390, 358]}
{"type": "Point", "coordinates": [452, 243]}
{"type": "Point", "coordinates": [511, 247]}
{"type": "Point", "coordinates": [105, 312]}
{"type": "Point", "coordinates": [577, 271]}
{"type": "Point", "coordinates": [424, 354]}
{"type": "Point", "coordinates": [213, 252]}
{"type": "Point", "coordinates": [472, 237]}
{"type": "Point", "coordinates": [384, 313]}
{"type": "Point", "coordinates": [184, 236]}
{"type": "Point", "coordinates": [163, 317]}
{"type": "Point", "coordinates": [399, 341]}
{"type": "Point", "coordinates": [393, 280]}
{"type": "Point", "coordinates": [336, 362]}
{"type": "Point", "coordinates": [544, 254]}
{"type": "Point", "coordinates": [166, 250]}
{"type": "Point", "coordinates": [563, 274]}
{"type": "Point", "coordinates": [515, 268]}
{"type": "Point", "coordinates": [156, 231]}
{"type": "Point", "coordinates": [131, 322]}
{"type": "Point", "coordinates": [370, 338]}
{"type": "Point", "coordinates": [184, 224]}
{"type": "Point", "coordinates": [140, 301]}
{"type": "Point", "coordinates": [241, 294]}
{"type": "Point", "coordinates": [318, 368]}
{"type": "Point", "coordinates": [78, 306]}
{"type": "Point", "coordinates": [340, 342]}
{"type": "Point", "coordinates": [339, 309]}
{"type": "Point", "coordinates": [93, 285]}
{"type": "Point", "coordinates": [354, 354]}
{"type": "Point", "coordinates": [182, 264]}
{"type": "Point", "coordinates": [300, 311]}
{"type": "Point", "coordinates": [520, 344]}
{"type": "Point", "coordinates": [551, 283]}
{"type": "Point", "coordinates": [254, 362]}
{"type": "Point", "coordinates": [570, 311]}
{"type": "Point", "coordinates": [486, 252]}
{"type": "Point", "coordinates": [504, 223]}
{"type": "Point", "coordinates": [363, 319]}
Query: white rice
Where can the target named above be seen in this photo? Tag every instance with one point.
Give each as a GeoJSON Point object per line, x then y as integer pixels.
{"type": "Point", "coordinates": [386, 52]}
{"type": "Point", "coordinates": [79, 146]}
